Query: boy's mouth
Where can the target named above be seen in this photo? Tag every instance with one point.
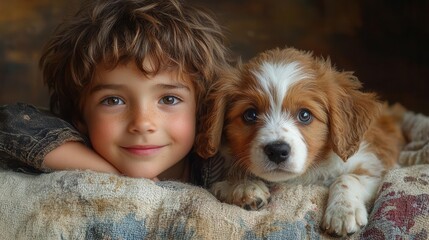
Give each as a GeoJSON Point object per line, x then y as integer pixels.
{"type": "Point", "coordinates": [143, 150]}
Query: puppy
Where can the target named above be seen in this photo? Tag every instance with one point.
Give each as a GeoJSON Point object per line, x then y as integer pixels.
{"type": "Point", "coordinates": [288, 116]}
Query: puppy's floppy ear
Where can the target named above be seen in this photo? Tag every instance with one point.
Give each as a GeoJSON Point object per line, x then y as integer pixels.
{"type": "Point", "coordinates": [208, 139]}
{"type": "Point", "coordinates": [351, 113]}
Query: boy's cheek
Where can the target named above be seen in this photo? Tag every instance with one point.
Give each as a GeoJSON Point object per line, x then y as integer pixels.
{"type": "Point", "coordinates": [184, 127]}
{"type": "Point", "coordinates": [100, 129]}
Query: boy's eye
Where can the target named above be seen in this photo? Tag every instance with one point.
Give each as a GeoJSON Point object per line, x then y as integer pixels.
{"type": "Point", "coordinates": [170, 100]}
{"type": "Point", "coordinates": [112, 101]}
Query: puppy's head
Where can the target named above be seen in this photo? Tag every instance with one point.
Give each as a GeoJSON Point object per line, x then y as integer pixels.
{"type": "Point", "coordinates": [283, 112]}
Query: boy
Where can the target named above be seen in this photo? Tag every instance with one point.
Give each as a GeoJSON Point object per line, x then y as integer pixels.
{"type": "Point", "coordinates": [130, 75]}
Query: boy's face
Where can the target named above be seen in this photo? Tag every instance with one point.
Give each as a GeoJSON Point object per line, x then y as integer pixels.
{"type": "Point", "coordinates": [142, 126]}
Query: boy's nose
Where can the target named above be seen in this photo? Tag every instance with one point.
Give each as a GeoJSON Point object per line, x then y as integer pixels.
{"type": "Point", "coordinates": [142, 120]}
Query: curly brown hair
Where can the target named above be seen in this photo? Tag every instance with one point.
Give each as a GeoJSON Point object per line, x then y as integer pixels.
{"type": "Point", "coordinates": [112, 32]}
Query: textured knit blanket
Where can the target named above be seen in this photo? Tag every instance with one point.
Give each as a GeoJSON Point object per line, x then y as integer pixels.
{"type": "Point", "coordinates": [89, 205]}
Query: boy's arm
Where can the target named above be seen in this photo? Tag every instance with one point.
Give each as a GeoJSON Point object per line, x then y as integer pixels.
{"type": "Point", "coordinates": [76, 155]}
{"type": "Point", "coordinates": [31, 138]}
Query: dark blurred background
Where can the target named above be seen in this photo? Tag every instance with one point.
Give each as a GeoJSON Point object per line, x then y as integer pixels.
{"type": "Point", "coordinates": [385, 42]}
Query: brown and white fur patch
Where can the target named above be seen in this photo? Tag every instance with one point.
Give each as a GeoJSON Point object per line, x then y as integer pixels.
{"type": "Point", "coordinates": [288, 116]}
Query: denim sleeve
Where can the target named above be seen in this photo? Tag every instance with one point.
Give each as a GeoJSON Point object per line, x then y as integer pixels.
{"type": "Point", "coordinates": [205, 172]}
{"type": "Point", "coordinates": [27, 134]}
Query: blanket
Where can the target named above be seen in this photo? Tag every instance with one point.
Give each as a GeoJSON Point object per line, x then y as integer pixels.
{"type": "Point", "coordinates": [89, 205]}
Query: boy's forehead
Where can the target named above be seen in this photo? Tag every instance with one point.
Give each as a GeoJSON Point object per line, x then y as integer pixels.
{"type": "Point", "coordinates": [180, 73]}
{"type": "Point", "coordinates": [147, 69]}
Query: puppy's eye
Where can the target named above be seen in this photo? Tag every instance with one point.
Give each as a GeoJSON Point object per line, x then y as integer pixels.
{"type": "Point", "coordinates": [250, 115]}
{"type": "Point", "coordinates": [304, 116]}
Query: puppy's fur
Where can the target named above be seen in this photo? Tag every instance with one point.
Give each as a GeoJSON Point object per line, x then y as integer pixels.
{"type": "Point", "coordinates": [288, 116]}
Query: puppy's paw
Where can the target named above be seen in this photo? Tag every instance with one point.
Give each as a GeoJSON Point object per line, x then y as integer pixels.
{"type": "Point", "coordinates": [248, 194]}
{"type": "Point", "coordinates": [344, 218]}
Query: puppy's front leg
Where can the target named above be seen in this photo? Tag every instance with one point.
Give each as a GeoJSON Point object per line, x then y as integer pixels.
{"type": "Point", "coordinates": [250, 194]}
{"type": "Point", "coordinates": [346, 212]}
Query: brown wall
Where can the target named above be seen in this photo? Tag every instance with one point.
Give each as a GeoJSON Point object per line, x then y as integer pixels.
{"type": "Point", "coordinates": [383, 42]}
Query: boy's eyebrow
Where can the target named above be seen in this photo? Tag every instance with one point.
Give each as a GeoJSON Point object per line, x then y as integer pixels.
{"type": "Point", "coordinates": [173, 86]}
{"type": "Point", "coordinates": [105, 86]}
{"type": "Point", "coordinates": [119, 86]}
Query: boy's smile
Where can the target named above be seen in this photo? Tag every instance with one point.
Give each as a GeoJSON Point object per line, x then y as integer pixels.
{"type": "Point", "coordinates": [141, 125]}
{"type": "Point", "coordinates": [143, 150]}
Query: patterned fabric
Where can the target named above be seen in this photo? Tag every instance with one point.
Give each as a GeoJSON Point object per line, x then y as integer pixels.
{"type": "Point", "coordinates": [89, 205]}
{"type": "Point", "coordinates": [402, 209]}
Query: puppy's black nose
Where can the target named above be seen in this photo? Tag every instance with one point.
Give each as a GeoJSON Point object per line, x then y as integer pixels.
{"type": "Point", "coordinates": [277, 151]}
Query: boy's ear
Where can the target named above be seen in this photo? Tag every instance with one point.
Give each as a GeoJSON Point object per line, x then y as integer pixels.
{"type": "Point", "coordinates": [350, 115]}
